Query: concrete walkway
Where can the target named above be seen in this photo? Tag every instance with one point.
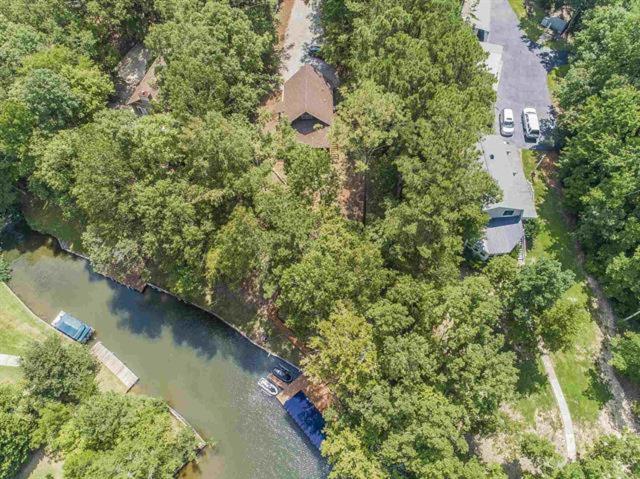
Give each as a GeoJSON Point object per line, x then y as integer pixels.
{"type": "Point", "coordinates": [565, 415]}
{"type": "Point", "coordinates": [9, 360]}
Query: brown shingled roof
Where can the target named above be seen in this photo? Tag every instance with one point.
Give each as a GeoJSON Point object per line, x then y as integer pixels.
{"type": "Point", "coordinates": [308, 92]}
{"type": "Point", "coordinates": [148, 87]}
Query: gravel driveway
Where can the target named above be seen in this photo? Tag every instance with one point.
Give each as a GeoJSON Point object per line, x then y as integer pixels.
{"type": "Point", "coordinates": [523, 81]}
{"type": "Point", "coordinates": [304, 30]}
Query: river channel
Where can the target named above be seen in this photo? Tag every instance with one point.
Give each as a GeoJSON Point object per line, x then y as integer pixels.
{"type": "Point", "coordinates": [201, 366]}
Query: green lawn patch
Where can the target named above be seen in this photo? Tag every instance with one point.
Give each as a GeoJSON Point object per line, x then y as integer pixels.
{"type": "Point", "coordinates": [534, 391]}
{"type": "Point", "coordinates": [10, 375]}
{"type": "Point", "coordinates": [576, 368]}
{"type": "Point", "coordinates": [17, 326]}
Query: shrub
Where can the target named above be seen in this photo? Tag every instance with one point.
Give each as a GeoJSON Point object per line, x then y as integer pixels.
{"type": "Point", "coordinates": [626, 355]}
{"type": "Point", "coordinates": [64, 372]}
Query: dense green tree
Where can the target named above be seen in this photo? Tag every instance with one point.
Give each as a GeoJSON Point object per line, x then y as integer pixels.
{"type": "Point", "coordinates": [116, 434]}
{"type": "Point", "coordinates": [52, 416]}
{"type": "Point", "coordinates": [559, 325]}
{"type": "Point", "coordinates": [345, 354]}
{"type": "Point", "coordinates": [49, 97]}
{"type": "Point", "coordinates": [601, 176]}
{"type": "Point", "coordinates": [57, 370]}
{"type": "Point", "coordinates": [473, 368]}
{"type": "Point", "coordinates": [237, 249]}
{"type": "Point", "coordinates": [310, 174]}
{"type": "Point", "coordinates": [338, 265]}
{"type": "Point", "coordinates": [502, 272]}
{"type": "Point", "coordinates": [90, 86]}
{"type": "Point", "coordinates": [15, 432]}
{"type": "Point", "coordinates": [539, 285]}
{"type": "Point", "coordinates": [542, 454]}
{"type": "Point", "coordinates": [16, 41]}
{"type": "Point", "coordinates": [214, 59]}
{"type": "Point", "coordinates": [606, 48]}
{"type": "Point", "coordinates": [430, 189]}
{"type": "Point", "coordinates": [626, 355]}
{"type": "Point", "coordinates": [348, 456]}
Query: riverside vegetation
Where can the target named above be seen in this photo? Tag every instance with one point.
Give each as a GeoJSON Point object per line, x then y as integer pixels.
{"type": "Point", "coordinates": [418, 357]}
{"type": "Point", "coordinates": [56, 406]}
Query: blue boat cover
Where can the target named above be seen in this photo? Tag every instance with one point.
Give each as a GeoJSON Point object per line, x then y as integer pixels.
{"type": "Point", "coordinates": [305, 414]}
{"type": "Point", "coordinates": [73, 327]}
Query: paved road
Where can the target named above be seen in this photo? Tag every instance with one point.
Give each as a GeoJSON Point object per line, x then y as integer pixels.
{"type": "Point", "coordinates": [523, 81]}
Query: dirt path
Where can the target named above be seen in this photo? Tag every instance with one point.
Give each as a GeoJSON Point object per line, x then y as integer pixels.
{"type": "Point", "coordinates": [619, 407]}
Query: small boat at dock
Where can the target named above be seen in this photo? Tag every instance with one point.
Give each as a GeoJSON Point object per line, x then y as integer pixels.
{"type": "Point", "coordinates": [268, 387]}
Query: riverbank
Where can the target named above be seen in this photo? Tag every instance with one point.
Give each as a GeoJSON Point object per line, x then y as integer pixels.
{"type": "Point", "coordinates": [230, 307]}
{"type": "Point", "coordinates": [199, 365]}
{"type": "Point", "coordinates": [19, 328]}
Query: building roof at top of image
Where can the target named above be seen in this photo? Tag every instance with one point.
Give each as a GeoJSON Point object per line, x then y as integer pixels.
{"type": "Point", "coordinates": [147, 89]}
{"type": "Point", "coordinates": [307, 92]}
{"type": "Point", "coordinates": [477, 13]}
{"type": "Point", "coordinates": [502, 160]}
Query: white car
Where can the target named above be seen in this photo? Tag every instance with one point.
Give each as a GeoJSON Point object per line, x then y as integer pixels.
{"type": "Point", "coordinates": [530, 124]}
{"type": "Point", "coordinates": [507, 123]}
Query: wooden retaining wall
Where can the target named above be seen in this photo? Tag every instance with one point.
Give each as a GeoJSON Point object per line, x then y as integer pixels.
{"type": "Point", "coordinates": [113, 364]}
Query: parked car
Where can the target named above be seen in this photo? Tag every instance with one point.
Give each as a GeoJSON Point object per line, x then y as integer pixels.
{"type": "Point", "coordinates": [72, 327]}
{"type": "Point", "coordinates": [530, 124]}
{"type": "Point", "coordinates": [282, 373]}
{"type": "Point", "coordinates": [507, 123]}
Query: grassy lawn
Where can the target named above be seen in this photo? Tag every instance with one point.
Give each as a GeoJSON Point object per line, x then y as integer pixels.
{"type": "Point", "coordinates": [17, 326]}
{"type": "Point", "coordinates": [9, 375]}
{"type": "Point", "coordinates": [576, 368]}
{"type": "Point", "coordinates": [534, 391]}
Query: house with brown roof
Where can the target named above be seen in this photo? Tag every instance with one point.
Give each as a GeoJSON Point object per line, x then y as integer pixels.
{"type": "Point", "coordinates": [147, 89]}
{"type": "Point", "coordinates": [307, 102]}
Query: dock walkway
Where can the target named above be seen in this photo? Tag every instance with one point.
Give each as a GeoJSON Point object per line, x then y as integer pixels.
{"type": "Point", "coordinates": [319, 395]}
{"type": "Point", "coordinates": [113, 364]}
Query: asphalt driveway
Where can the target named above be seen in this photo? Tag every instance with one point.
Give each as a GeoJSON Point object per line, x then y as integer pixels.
{"type": "Point", "coordinates": [523, 81]}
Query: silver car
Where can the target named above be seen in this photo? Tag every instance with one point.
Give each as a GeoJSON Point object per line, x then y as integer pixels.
{"type": "Point", "coordinates": [530, 124]}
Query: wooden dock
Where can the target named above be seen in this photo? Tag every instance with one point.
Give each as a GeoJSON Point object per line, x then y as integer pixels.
{"type": "Point", "coordinates": [113, 364]}
{"type": "Point", "coordinates": [318, 394]}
